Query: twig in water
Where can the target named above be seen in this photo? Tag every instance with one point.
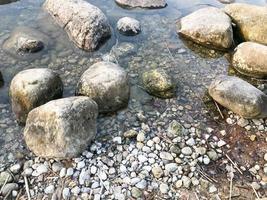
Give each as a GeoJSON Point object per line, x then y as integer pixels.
{"type": "Point", "coordinates": [258, 197]}
{"type": "Point", "coordinates": [4, 183]}
{"type": "Point", "coordinates": [219, 110]}
{"type": "Point", "coordinates": [27, 188]}
{"type": "Point", "coordinates": [235, 165]}
{"type": "Point", "coordinates": [196, 196]}
{"type": "Point", "coordinates": [231, 182]}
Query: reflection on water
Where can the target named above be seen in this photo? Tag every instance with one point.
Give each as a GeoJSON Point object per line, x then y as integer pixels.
{"type": "Point", "coordinates": [158, 45]}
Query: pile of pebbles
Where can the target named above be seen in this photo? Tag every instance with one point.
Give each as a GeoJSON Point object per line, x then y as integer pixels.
{"type": "Point", "coordinates": [137, 163]}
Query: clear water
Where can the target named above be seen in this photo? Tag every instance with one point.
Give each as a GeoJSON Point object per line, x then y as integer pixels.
{"type": "Point", "coordinates": [157, 46]}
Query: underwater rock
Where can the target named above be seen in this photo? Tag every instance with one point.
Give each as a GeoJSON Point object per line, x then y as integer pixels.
{"type": "Point", "coordinates": [143, 3]}
{"type": "Point", "coordinates": [32, 88]}
{"type": "Point", "coordinates": [107, 84]}
{"type": "Point", "coordinates": [25, 40]}
{"type": "Point", "coordinates": [208, 26]}
{"type": "Point", "coordinates": [251, 21]}
{"type": "Point", "coordinates": [86, 25]}
{"type": "Point", "coordinates": [250, 59]}
{"type": "Point", "coordinates": [128, 26]}
{"type": "Point", "coordinates": [61, 128]}
{"type": "Point", "coordinates": [239, 96]}
{"type": "Point", "coordinates": [158, 83]}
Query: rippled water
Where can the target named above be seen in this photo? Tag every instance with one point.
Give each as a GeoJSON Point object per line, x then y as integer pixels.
{"type": "Point", "coordinates": [157, 46]}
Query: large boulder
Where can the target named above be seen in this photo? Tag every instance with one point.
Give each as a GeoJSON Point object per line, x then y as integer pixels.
{"type": "Point", "coordinates": [142, 3]}
{"type": "Point", "coordinates": [208, 26]}
{"type": "Point", "coordinates": [107, 84]}
{"type": "Point", "coordinates": [239, 96]}
{"type": "Point", "coordinates": [86, 25]}
{"type": "Point", "coordinates": [128, 26]}
{"type": "Point", "coordinates": [251, 59]}
{"type": "Point", "coordinates": [159, 83]}
{"type": "Point", "coordinates": [251, 21]}
{"type": "Point", "coordinates": [32, 88]}
{"type": "Point", "coordinates": [25, 40]}
{"type": "Point", "coordinates": [61, 128]}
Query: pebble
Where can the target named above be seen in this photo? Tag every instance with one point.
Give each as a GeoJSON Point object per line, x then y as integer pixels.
{"type": "Point", "coordinates": [171, 167]}
{"type": "Point", "coordinates": [41, 169]}
{"type": "Point", "coordinates": [15, 168]}
{"type": "Point", "coordinates": [164, 188]}
{"type": "Point", "coordinates": [166, 156]}
{"type": "Point", "coordinates": [49, 189]}
{"type": "Point", "coordinates": [7, 188]}
{"type": "Point", "coordinates": [187, 151]}
{"type": "Point", "coordinates": [136, 193]}
{"type": "Point", "coordinates": [66, 193]}
{"type": "Point", "coordinates": [142, 184]}
{"type": "Point", "coordinates": [265, 157]}
{"type": "Point", "coordinates": [157, 171]}
{"type": "Point", "coordinates": [70, 171]}
{"type": "Point", "coordinates": [140, 137]}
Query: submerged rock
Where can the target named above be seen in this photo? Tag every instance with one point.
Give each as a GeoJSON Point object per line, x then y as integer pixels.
{"type": "Point", "coordinates": [251, 21]}
{"type": "Point", "coordinates": [61, 128]}
{"type": "Point", "coordinates": [32, 88]}
{"type": "Point", "coordinates": [25, 40]}
{"type": "Point", "coordinates": [143, 3]}
{"type": "Point", "coordinates": [251, 59]}
{"type": "Point", "coordinates": [158, 83]}
{"type": "Point", "coordinates": [85, 24]}
{"type": "Point", "coordinates": [209, 26]}
{"type": "Point", "coordinates": [239, 96]}
{"type": "Point", "coordinates": [128, 26]}
{"type": "Point", "coordinates": [107, 84]}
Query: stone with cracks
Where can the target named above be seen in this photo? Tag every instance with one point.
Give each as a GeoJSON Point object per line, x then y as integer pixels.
{"type": "Point", "coordinates": [208, 26]}
{"type": "Point", "coordinates": [86, 25]}
{"type": "Point", "coordinates": [61, 128]}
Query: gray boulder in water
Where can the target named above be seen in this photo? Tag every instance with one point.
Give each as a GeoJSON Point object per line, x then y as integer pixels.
{"type": "Point", "coordinates": [31, 88]}
{"type": "Point", "coordinates": [142, 3]}
{"type": "Point", "coordinates": [251, 21]}
{"type": "Point", "coordinates": [208, 26]}
{"type": "Point", "coordinates": [107, 84]}
{"type": "Point", "coordinates": [239, 96]}
{"type": "Point", "coordinates": [25, 40]}
{"type": "Point", "coordinates": [250, 59]}
{"type": "Point", "coordinates": [128, 26]}
{"type": "Point", "coordinates": [61, 128]}
{"type": "Point", "coordinates": [86, 25]}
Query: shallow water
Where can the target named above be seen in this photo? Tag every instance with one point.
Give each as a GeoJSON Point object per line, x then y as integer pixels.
{"type": "Point", "coordinates": [157, 46]}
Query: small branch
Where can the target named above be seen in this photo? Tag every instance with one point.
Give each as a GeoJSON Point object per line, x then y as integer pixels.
{"type": "Point", "coordinates": [234, 164]}
{"type": "Point", "coordinates": [258, 197]}
{"type": "Point", "coordinates": [231, 182]}
{"type": "Point", "coordinates": [219, 110]}
{"type": "Point", "coordinates": [196, 196]}
{"type": "Point", "coordinates": [27, 188]}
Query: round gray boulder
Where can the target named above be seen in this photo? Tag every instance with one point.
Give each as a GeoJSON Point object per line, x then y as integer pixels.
{"type": "Point", "coordinates": [159, 83]}
{"type": "Point", "coordinates": [250, 59]}
{"type": "Point", "coordinates": [61, 128]}
{"type": "Point", "coordinates": [107, 84]}
{"type": "Point", "coordinates": [239, 96]}
{"type": "Point", "coordinates": [208, 26]}
{"type": "Point", "coordinates": [86, 25]}
{"type": "Point", "coordinates": [128, 26]}
{"type": "Point", "coordinates": [32, 88]}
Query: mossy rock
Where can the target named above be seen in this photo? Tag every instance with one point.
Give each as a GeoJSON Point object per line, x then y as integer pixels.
{"type": "Point", "coordinates": [158, 83]}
